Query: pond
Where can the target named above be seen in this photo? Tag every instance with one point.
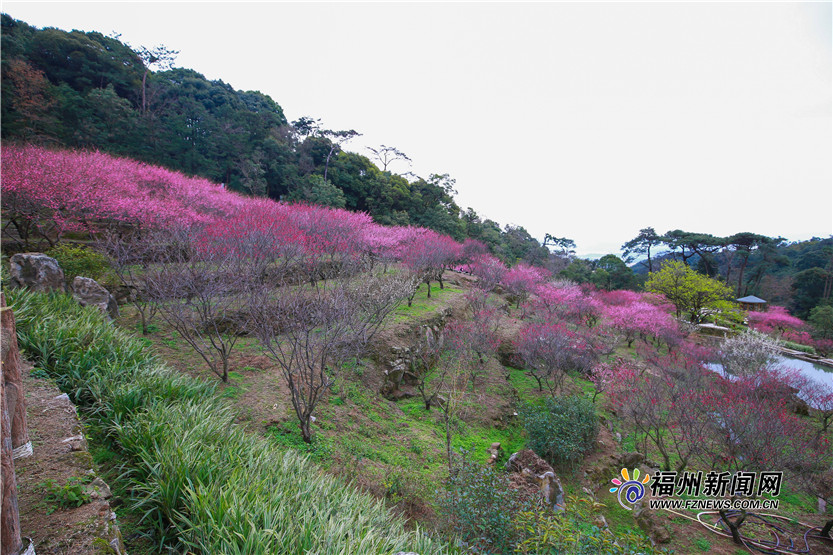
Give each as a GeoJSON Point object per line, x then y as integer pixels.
{"type": "Point", "coordinates": [815, 372]}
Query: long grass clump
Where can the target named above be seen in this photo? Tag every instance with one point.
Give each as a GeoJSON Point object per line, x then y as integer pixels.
{"type": "Point", "coordinates": [202, 483]}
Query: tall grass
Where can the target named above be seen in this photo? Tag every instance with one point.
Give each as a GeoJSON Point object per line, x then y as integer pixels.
{"type": "Point", "coordinates": [201, 482]}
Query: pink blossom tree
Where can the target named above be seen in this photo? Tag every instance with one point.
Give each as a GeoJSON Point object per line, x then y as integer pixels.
{"type": "Point", "coordinates": [488, 270]}
{"type": "Point", "coordinates": [520, 281]}
{"type": "Point", "coordinates": [475, 340]}
{"type": "Point", "coordinates": [427, 254]}
{"type": "Point", "coordinates": [550, 350]}
{"type": "Point", "coordinates": [776, 320]}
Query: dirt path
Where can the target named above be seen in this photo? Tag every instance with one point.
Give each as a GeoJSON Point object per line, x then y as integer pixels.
{"type": "Point", "coordinates": [60, 455]}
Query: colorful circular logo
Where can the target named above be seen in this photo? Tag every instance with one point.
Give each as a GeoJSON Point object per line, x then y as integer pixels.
{"type": "Point", "coordinates": [633, 489]}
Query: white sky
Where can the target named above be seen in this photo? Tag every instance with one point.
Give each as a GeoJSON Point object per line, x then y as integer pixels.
{"type": "Point", "coordinates": [584, 120]}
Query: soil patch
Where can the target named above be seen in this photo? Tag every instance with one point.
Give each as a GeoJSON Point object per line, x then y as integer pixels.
{"type": "Point", "coordinates": [56, 463]}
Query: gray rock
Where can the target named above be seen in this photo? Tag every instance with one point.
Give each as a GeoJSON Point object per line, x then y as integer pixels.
{"type": "Point", "coordinates": [88, 292]}
{"type": "Point", "coordinates": [631, 460]}
{"type": "Point", "coordinates": [98, 489]}
{"type": "Point", "coordinates": [650, 523]}
{"type": "Point", "coordinates": [36, 271]}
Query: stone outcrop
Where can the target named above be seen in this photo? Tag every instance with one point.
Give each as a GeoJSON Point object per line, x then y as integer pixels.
{"type": "Point", "coordinates": [495, 451]}
{"type": "Point", "coordinates": [650, 523]}
{"type": "Point", "coordinates": [532, 470]}
{"type": "Point", "coordinates": [36, 271]}
{"type": "Point", "coordinates": [88, 292]}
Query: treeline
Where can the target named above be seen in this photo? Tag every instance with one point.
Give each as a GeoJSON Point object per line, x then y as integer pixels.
{"type": "Point", "coordinates": [798, 275]}
{"type": "Point", "coordinates": [90, 91]}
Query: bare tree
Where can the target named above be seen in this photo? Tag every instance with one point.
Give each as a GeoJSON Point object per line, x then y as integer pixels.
{"type": "Point", "coordinates": [161, 57]}
{"type": "Point", "coordinates": [200, 291]}
{"type": "Point", "coordinates": [387, 155]}
{"type": "Point", "coordinates": [452, 393]}
{"type": "Point", "coordinates": [311, 331]}
{"type": "Point", "coordinates": [130, 257]}
{"type": "Point", "coordinates": [425, 365]}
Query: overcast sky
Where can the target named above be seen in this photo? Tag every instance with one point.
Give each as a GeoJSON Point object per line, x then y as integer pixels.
{"type": "Point", "coordinates": [584, 120]}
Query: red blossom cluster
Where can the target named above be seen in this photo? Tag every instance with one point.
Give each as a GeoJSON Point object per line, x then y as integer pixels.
{"type": "Point", "coordinates": [47, 193]}
{"type": "Point", "coordinates": [522, 279]}
{"type": "Point", "coordinates": [776, 320]}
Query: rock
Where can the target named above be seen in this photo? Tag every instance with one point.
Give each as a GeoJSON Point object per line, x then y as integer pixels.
{"type": "Point", "coordinates": [649, 523]}
{"type": "Point", "coordinates": [631, 460]}
{"type": "Point", "coordinates": [36, 271]}
{"type": "Point", "coordinates": [537, 471]}
{"type": "Point", "coordinates": [822, 506]}
{"type": "Point", "coordinates": [88, 292]}
{"type": "Point", "coordinates": [76, 443]}
{"type": "Point", "coordinates": [98, 489]}
{"type": "Point", "coordinates": [495, 451]}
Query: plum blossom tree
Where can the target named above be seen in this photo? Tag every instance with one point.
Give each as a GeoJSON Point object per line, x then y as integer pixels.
{"type": "Point", "coordinates": [522, 279]}
{"type": "Point", "coordinates": [427, 254]}
{"type": "Point", "coordinates": [47, 193]}
{"type": "Point", "coordinates": [748, 354]}
{"type": "Point", "coordinates": [474, 341]}
{"type": "Point", "coordinates": [775, 321]}
{"type": "Point", "coordinates": [640, 318]}
{"type": "Point", "coordinates": [201, 293]}
{"type": "Point", "coordinates": [549, 350]}
{"type": "Point", "coordinates": [310, 332]}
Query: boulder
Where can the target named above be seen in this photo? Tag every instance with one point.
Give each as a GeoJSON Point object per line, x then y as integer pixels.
{"type": "Point", "coordinates": [88, 292]}
{"type": "Point", "coordinates": [631, 460]}
{"type": "Point", "coordinates": [98, 488]}
{"type": "Point", "coordinates": [534, 471]}
{"type": "Point", "coordinates": [36, 271]}
{"type": "Point", "coordinates": [650, 523]}
{"type": "Point", "coordinates": [495, 451]}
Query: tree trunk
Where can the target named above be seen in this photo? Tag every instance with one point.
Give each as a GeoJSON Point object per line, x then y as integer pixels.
{"type": "Point", "coordinates": [306, 432]}
{"type": "Point", "coordinates": [12, 372]}
{"type": "Point", "coordinates": [144, 95]}
{"type": "Point", "coordinates": [826, 530]}
{"type": "Point", "coordinates": [733, 526]}
{"type": "Point", "coordinates": [448, 441]}
{"type": "Point", "coordinates": [9, 511]}
{"type": "Point", "coordinates": [740, 274]}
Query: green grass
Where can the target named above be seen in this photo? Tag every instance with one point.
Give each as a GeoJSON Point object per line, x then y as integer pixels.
{"type": "Point", "coordinates": [197, 481]}
{"type": "Point", "coordinates": [703, 545]}
{"type": "Point", "coordinates": [422, 305]}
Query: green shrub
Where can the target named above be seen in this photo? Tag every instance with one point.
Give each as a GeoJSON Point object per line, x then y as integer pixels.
{"type": "Point", "coordinates": [80, 261]}
{"type": "Point", "coordinates": [70, 495]}
{"type": "Point", "coordinates": [479, 505]}
{"type": "Point", "coordinates": [799, 347]}
{"type": "Point", "coordinates": [575, 531]}
{"type": "Point", "coordinates": [562, 430]}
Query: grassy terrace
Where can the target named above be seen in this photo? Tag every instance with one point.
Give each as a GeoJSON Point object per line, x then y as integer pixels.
{"type": "Point", "coordinates": [201, 482]}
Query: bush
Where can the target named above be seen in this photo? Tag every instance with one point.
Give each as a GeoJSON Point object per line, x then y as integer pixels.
{"type": "Point", "coordinates": [563, 430]}
{"type": "Point", "coordinates": [79, 261]}
{"type": "Point", "coordinates": [575, 531]}
{"type": "Point", "coordinates": [480, 506]}
{"type": "Point", "coordinates": [799, 347]}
